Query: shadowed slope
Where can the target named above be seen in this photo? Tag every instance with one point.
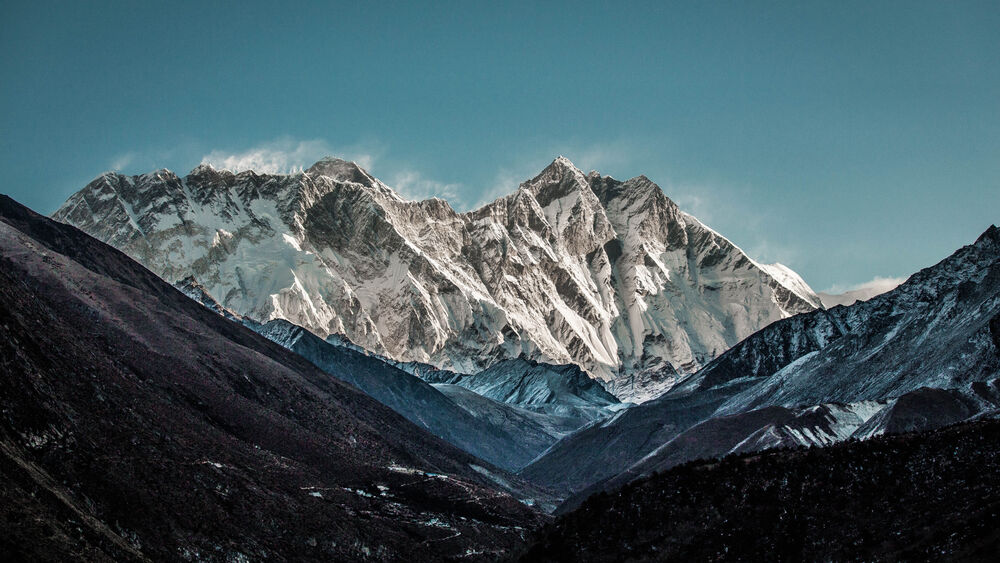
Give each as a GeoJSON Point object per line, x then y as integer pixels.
{"type": "Point", "coordinates": [917, 497]}
{"type": "Point", "coordinates": [138, 424]}
{"type": "Point", "coordinates": [938, 330]}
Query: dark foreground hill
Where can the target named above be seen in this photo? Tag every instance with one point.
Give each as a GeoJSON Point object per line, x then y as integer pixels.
{"type": "Point", "coordinates": [136, 424]}
{"type": "Point", "coordinates": [930, 496]}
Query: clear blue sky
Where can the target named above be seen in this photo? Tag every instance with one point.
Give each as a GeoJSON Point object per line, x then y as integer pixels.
{"type": "Point", "coordinates": [847, 140]}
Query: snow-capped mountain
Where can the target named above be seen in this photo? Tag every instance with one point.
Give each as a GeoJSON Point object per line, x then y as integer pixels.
{"type": "Point", "coordinates": [139, 426]}
{"type": "Point", "coordinates": [561, 392]}
{"type": "Point", "coordinates": [496, 431]}
{"type": "Point", "coordinates": [923, 355]}
{"type": "Point", "coordinates": [570, 268]}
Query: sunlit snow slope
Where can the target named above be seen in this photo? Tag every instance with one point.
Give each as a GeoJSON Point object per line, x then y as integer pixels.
{"type": "Point", "coordinates": [570, 268]}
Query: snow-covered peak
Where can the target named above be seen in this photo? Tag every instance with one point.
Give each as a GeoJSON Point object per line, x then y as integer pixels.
{"type": "Point", "coordinates": [794, 282]}
{"type": "Point", "coordinates": [107, 176]}
{"type": "Point", "coordinates": [563, 163]}
{"type": "Point", "coordinates": [558, 179]}
{"type": "Point", "coordinates": [341, 170]}
{"type": "Point", "coordinates": [578, 269]}
{"type": "Point", "coordinates": [203, 168]}
{"type": "Point", "coordinates": [162, 174]}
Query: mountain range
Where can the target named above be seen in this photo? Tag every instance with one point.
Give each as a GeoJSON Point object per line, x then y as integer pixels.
{"type": "Point", "coordinates": [136, 422]}
{"type": "Point", "coordinates": [570, 268]}
{"type": "Point", "coordinates": [921, 356]}
{"type": "Point", "coordinates": [374, 378]}
{"type": "Point", "coordinates": [734, 355]}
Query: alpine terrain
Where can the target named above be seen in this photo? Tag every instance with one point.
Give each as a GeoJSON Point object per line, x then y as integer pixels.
{"type": "Point", "coordinates": [137, 425]}
{"type": "Point", "coordinates": [922, 356]}
{"type": "Point", "coordinates": [571, 268]}
{"type": "Point", "coordinates": [505, 429]}
{"type": "Point", "coordinates": [931, 496]}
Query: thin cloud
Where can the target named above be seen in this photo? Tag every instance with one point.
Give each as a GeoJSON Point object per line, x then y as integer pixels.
{"type": "Point", "coordinates": [847, 295]}
{"type": "Point", "coordinates": [137, 162]}
{"type": "Point", "coordinates": [506, 182]}
{"type": "Point", "coordinates": [720, 207]}
{"type": "Point", "coordinates": [609, 158]}
{"type": "Point", "coordinates": [286, 155]}
{"type": "Point", "coordinates": [875, 286]}
{"type": "Point", "coordinates": [122, 161]}
{"type": "Point", "coordinates": [413, 185]}
{"type": "Point", "coordinates": [696, 204]}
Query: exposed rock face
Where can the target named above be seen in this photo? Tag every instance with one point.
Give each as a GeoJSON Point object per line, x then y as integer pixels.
{"type": "Point", "coordinates": [918, 357]}
{"type": "Point", "coordinates": [608, 275]}
{"type": "Point", "coordinates": [136, 423]}
{"type": "Point", "coordinates": [508, 445]}
{"type": "Point", "coordinates": [563, 392]}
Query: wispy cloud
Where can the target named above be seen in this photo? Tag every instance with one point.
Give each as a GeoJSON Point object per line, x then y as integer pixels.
{"type": "Point", "coordinates": [613, 157]}
{"type": "Point", "coordinates": [139, 161]}
{"type": "Point", "coordinates": [413, 185]}
{"type": "Point", "coordinates": [695, 202]}
{"type": "Point", "coordinates": [731, 210]}
{"type": "Point", "coordinates": [604, 157]}
{"type": "Point", "coordinates": [286, 155]}
{"type": "Point", "coordinates": [875, 286]}
{"type": "Point", "coordinates": [506, 182]}
{"type": "Point", "coordinates": [122, 161]}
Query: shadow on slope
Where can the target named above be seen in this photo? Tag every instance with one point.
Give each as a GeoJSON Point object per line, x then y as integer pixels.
{"type": "Point", "coordinates": [138, 425]}
{"type": "Point", "coordinates": [931, 496]}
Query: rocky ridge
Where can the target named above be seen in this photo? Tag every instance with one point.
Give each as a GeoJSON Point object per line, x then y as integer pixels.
{"type": "Point", "coordinates": [921, 356]}
{"type": "Point", "coordinates": [570, 268]}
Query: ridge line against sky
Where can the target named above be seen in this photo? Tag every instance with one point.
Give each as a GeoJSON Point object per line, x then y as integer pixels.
{"type": "Point", "coordinates": [848, 141]}
{"type": "Point", "coordinates": [285, 156]}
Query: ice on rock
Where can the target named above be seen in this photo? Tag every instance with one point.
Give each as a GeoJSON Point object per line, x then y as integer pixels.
{"type": "Point", "coordinates": [570, 268]}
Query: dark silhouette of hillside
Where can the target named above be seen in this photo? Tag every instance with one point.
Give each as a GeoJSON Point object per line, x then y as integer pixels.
{"type": "Point", "coordinates": [137, 425]}
{"type": "Point", "coordinates": [927, 496]}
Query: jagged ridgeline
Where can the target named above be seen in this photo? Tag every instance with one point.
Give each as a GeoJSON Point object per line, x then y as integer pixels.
{"type": "Point", "coordinates": [140, 426]}
{"type": "Point", "coordinates": [569, 268]}
{"type": "Point", "coordinates": [921, 356]}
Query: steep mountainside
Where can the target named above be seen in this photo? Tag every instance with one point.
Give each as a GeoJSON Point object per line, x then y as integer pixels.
{"type": "Point", "coordinates": [855, 371]}
{"type": "Point", "coordinates": [558, 399]}
{"type": "Point", "coordinates": [608, 275]}
{"type": "Point", "coordinates": [939, 329]}
{"type": "Point", "coordinates": [916, 497]}
{"type": "Point", "coordinates": [510, 446]}
{"type": "Point", "coordinates": [820, 425]}
{"type": "Point", "coordinates": [135, 422]}
{"type": "Point", "coordinates": [560, 391]}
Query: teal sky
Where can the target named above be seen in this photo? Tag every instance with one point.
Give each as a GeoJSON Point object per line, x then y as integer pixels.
{"type": "Point", "coordinates": [846, 140]}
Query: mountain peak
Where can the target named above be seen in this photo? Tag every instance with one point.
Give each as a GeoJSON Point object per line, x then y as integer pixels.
{"type": "Point", "coordinates": [108, 177]}
{"type": "Point", "coordinates": [992, 233]}
{"type": "Point", "coordinates": [556, 180]}
{"type": "Point", "coordinates": [202, 168]}
{"type": "Point", "coordinates": [162, 174]}
{"type": "Point", "coordinates": [206, 175]}
{"type": "Point", "coordinates": [563, 162]}
{"type": "Point", "coordinates": [560, 168]}
{"type": "Point", "coordinates": [340, 170]}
